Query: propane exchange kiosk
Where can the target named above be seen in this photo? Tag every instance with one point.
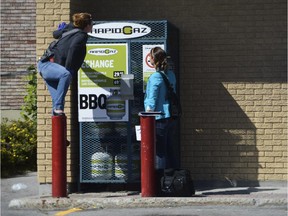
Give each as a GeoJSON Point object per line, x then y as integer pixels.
{"type": "Point", "coordinates": [111, 87]}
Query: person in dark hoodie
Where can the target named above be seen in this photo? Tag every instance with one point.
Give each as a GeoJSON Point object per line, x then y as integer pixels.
{"type": "Point", "coordinates": [69, 55]}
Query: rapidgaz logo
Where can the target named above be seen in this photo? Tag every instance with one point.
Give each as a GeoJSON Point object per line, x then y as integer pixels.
{"type": "Point", "coordinates": [119, 30]}
{"type": "Point", "coordinates": [102, 51]}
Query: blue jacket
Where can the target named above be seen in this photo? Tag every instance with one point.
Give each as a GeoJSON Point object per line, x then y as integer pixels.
{"type": "Point", "coordinates": [156, 91]}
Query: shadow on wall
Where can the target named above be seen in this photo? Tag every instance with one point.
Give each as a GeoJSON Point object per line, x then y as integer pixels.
{"type": "Point", "coordinates": [220, 41]}
{"type": "Point", "coordinates": [74, 146]}
{"type": "Point", "coordinates": [223, 143]}
{"type": "Point", "coordinates": [222, 45]}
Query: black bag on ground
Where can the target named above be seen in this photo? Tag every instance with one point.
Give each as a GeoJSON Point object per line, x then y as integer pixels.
{"type": "Point", "coordinates": [177, 183]}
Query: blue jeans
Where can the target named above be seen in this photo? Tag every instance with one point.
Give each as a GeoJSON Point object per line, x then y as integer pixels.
{"type": "Point", "coordinates": [57, 79]}
{"type": "Point", "coordinates": [165, 155]}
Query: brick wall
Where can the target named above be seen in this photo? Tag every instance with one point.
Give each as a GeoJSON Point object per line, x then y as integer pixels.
{"type": "Point", "coordinates": [233, 65]}
{"type": "Point", "coordinates": [18, 48]}
{"type": "Point", "coordinates": [48, 16]}
{"type": "Point", "coordinates": [233, 80]}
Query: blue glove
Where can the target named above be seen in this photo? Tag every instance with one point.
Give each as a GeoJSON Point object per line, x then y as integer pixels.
{"type": "Point", "coordinates": [61, 25]}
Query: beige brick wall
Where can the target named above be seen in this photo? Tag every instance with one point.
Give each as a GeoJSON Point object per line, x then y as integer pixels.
{"type": "Point", "coordinates": [240, 134]}
{"type": "Point", "coordinates": [48, 15]}
{"type": "Point", "coordinates": [233, 73]}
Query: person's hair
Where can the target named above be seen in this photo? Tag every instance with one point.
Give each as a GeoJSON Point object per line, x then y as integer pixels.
{"type": "Point", "coordinates": [160, 58]}
{"type": "Point", "coordinates": [81, 20]}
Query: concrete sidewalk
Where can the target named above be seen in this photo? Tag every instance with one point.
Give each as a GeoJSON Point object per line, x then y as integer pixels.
{"type": "Point", "coordinates": [244, 196]}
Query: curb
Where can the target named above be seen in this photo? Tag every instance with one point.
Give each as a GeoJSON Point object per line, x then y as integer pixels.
{"type": "Point", "coordinates": [138, 202]}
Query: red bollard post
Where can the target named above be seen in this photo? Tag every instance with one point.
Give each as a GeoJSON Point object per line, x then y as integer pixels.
{"type": "Point", "coordinates": [148, 137]}
{"type": "Point", "coordinates": [59, 156]}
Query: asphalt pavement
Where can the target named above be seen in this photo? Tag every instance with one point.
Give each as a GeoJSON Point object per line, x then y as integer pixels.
{"type": "Point", "coordinates": [27, 197]}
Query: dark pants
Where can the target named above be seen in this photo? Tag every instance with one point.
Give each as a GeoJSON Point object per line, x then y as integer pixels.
{"type": "Point", "coordinates": [166, 153]}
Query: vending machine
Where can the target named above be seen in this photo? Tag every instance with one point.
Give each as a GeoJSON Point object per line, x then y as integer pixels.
{"type": "Point", "coordinates": [111, 88]}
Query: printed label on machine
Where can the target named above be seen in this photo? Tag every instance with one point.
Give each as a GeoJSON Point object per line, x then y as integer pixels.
{"type": "Point", "coordinates": [99, 83]}
{"type": "Point", "coordinates": [119, 30]}
{"type": "Point", "coordinates": [148, 68]}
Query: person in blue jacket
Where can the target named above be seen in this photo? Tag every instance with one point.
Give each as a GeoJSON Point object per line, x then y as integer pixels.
{"type": "Point", "coordinates": [69, 55]}
{"type": "Point", "coordinates": [156, 100]}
